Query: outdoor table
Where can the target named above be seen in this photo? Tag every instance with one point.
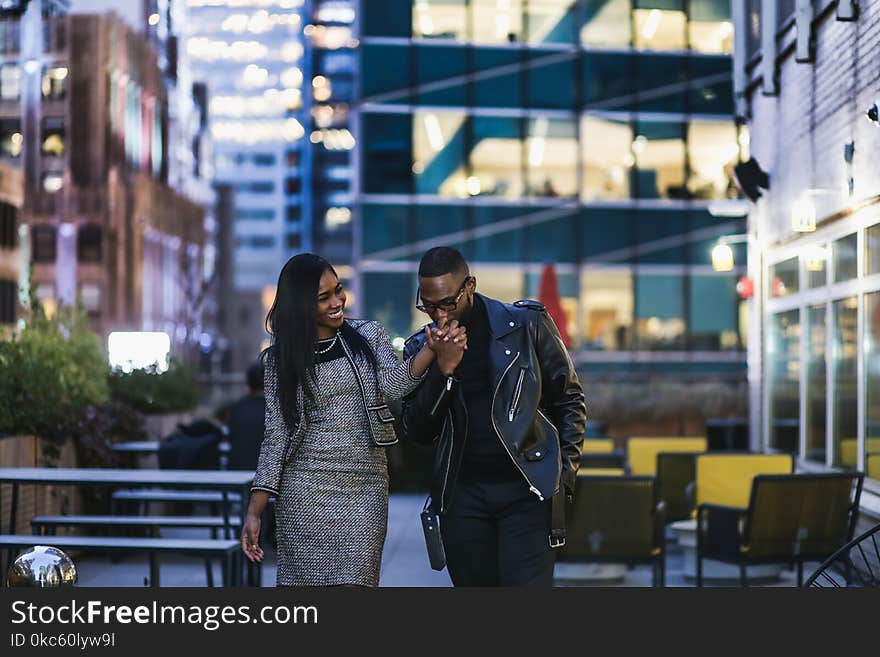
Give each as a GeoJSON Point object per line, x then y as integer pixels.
{"type": "Point", "coordinates": [152, 447]}
{"type": "Point", "coordinates": [225, 481]}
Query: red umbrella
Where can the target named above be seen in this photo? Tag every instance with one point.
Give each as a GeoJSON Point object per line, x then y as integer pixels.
{"type": "Point", "coordinates": [548, 294]}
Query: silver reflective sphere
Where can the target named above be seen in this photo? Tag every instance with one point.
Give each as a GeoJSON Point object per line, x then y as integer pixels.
{"type": "Point", "coordinates": [42, 566]}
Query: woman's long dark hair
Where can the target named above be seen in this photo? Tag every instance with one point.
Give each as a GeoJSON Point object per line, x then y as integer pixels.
{"type": "Point", "coordinates": [293, 322]}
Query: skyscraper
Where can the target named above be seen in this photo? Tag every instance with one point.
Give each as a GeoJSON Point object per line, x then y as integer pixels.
{"type": "Point", "coordinates": [249, 55]}
{"type": "Point", "coordinates": [591, 134]}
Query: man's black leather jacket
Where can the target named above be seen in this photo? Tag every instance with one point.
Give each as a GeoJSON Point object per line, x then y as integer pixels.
{"type": "Point", "coordinates": [537, 403]}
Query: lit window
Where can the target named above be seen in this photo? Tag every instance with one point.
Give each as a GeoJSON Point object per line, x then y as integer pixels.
{"type": "Point", "coordinates": [54, 137]}
{"type": "Point", "coordinates": [10, 82]}
{"type": "Point", "coordinates": [55, 82]}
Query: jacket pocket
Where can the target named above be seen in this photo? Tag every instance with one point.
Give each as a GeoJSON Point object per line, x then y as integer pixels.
{"type": "Point", "coordinates": [383, 413]}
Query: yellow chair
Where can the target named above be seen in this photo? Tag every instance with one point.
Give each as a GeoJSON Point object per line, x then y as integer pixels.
{"type": "Point", "coordinates": [726, 479]}
{"type": "Point", "coordinates": [601, 472]}
{"type": "Point", "coordinates": [849, 451]}
{"type": "Point", "coordinates": [872, 466]}
{"type": "Point", "coordinates": [641, 452]}
{"type": "Point", "coordinates": [598, 446]}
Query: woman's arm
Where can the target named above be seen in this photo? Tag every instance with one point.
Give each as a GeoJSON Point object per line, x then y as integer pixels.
{"type": "Point", "coordinates": [396, 379]}
{"type": "Point", "coordinates": [268, 475]}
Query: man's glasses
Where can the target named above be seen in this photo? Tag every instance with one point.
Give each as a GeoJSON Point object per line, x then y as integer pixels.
{"type": "Point", "coordinates": [447, 305]}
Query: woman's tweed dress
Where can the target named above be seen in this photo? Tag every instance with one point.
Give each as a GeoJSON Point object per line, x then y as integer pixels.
{"type": "Point", "coordinates": [332, 490]}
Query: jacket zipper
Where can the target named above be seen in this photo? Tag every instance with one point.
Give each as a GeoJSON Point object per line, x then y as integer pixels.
{"type": "Point", "coordinates": [442, 395]}
{"type": "Point", "coordinates": [516, 394]}
{"type": "Point", "coordinates": [448, 461]}
{"type": "Point", "coordinates": [532, 487]}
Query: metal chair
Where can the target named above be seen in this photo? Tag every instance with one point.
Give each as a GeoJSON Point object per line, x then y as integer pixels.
{"type": "Point", "coordinates": [791, 518]}
{"type": "Point", "coordinates": [616, 519]}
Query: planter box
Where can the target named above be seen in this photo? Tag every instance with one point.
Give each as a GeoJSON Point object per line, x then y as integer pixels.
{"type": "Point", "coordinates": [27, 452]}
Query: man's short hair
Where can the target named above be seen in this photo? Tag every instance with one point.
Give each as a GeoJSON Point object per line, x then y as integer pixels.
{"type": "Point", "coordinates": [442, 260]}
{"type": "Point", "coordinates": [255, 376]}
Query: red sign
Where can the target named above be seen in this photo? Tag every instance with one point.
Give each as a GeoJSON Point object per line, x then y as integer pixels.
{"type": "Point", "coordinates": [745, 288]}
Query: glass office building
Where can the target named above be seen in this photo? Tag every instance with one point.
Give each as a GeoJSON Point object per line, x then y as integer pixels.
{"type": "Point", "coordinates": [591, 134]}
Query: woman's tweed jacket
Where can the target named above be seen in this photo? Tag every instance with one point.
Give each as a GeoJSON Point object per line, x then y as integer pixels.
{"type": "Point", "coordinates": [392, 379]}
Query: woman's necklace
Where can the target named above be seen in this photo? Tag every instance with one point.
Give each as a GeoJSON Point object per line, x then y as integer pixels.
{"type": "Point", "coordinates": [328, 347]}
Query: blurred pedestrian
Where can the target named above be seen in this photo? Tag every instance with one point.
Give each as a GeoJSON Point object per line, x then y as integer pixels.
{"type": "Point", "coordinates": [246, 423]}
{"type": "Point", "coordinates": [327, 424]}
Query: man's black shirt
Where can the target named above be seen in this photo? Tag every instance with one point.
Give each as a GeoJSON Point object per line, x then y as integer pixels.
{"type": "Point", "coordinates": [485, 459]}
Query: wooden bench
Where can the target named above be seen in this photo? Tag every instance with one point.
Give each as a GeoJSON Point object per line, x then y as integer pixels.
{"type": "Point", "coordinates": [228, 550]}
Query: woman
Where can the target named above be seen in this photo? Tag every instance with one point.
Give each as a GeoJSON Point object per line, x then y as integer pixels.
{"type": "Point", "coordinates": [326, 380]}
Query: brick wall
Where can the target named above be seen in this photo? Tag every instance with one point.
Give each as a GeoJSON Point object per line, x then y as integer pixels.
{"type": "Point", "coordinates": [799, 135]}
{"type": "Point", "coordinates": [25, 451]}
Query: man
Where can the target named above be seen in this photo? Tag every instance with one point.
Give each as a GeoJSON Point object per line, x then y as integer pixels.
{"type": "Point", "coordinates": [246, 423]}
{"type": "Point", "coordinates": [507, 414]}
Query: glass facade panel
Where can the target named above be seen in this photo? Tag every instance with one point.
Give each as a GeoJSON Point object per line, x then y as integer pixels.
{"type": "Point", "coordinates": [388, 84]}
{"type": "Point", "coordinates": [607, 235]}
{"type": "Point", "coordinates": [496, 21]}
{"type": "Point", "coordinates": [607, 309]}
{"type": "Point", "coordinates": [712, 313]}
{"type": "Point", "coordinates": [551, 21]}
{"type": "Point", "coordinates": [844, 253]}
{"type": "Point", "coordinates": [710, 29]}
{"type": "Point", "coordinates": [387, 153]}
{"type": "Point", "coordinates": [607, 158]}
{"type": "Point", "coordinates": [872, 250]}
{"type": "Point", "coordinates": [872, 385]}
{"type": "Point", "coordinates": [713, 151]}
{"type": "Point", "coordinates": [496, 158]}
{"type": "Point", "coordinates": [499, 238]}
{"type": "Point", "coordinates": [659, 25]}
{"type": "Point", "coordinates": [816, 266]}
{"type": "Point", "coordinates": [784, 278]}
{"type": "Point", "coordinates": [388, 298]}
{"type": "Point", "coordinates": [844, 359]}
{"type": "Point", "coordinates": [438, 152]}
{"type": "Point", "coordinates": [440, 75]}
{"type": "Point", "coordinates": [660, 160]}
{"type": "Point", "coordinates": [817, 388]}
{"type": "Point", "coordinates": [659, 306]}
{"type": "Point", "coordinates": [550, 79]}
{"type": "Point", "coordinates": [498, 80]}
{"type": "Point", "coordinates": [551, 241]}
{"type": "Point", "coordinates": [439, 19]}
{"type": "Point", "coordinates": [784, 366]}
{"type": "Point", "coordinates": [552, 154]}
{"type": "Point", "coordinates": [606, 23]}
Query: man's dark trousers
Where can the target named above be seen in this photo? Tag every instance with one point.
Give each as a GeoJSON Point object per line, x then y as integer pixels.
{"type": "Point", "coordinates": [498, 534]}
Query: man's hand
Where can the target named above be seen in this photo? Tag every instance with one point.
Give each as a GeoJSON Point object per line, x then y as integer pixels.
{"type": "Point", "coordinates": [448, 341]}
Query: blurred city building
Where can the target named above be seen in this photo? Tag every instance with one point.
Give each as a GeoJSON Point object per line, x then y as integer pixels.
{"type": "Point", "coordinates": [594, 135]}
{"type": "Point", "coordinates": [329, 63]}
{"type": "Point", "coordinates": [13, 264]}
{"type": "Point", "coordinates": [85, 111]}
{"type": "Point", "coordinates": [805, 80]}
{"type": "Point", "coordinates": [250, 56]}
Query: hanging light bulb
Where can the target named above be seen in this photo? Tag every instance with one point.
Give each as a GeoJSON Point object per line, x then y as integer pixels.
{"type": "Point", "coordinates": [722, 257]}
{"type": "Point", "coordinates": [803, 215]}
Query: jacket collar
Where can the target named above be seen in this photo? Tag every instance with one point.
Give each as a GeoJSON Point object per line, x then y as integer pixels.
{"type": "Point", "coordinates": [501, 320]}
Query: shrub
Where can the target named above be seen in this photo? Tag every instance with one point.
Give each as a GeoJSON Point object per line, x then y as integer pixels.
{"type": "Point", "coordinates": [50, 372]}
{"type": "Point", "coordinates": [151, 391]}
